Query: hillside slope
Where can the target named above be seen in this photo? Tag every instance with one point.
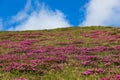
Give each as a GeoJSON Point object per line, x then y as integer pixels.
{"type": "Point", "coordinates": [80, 53]}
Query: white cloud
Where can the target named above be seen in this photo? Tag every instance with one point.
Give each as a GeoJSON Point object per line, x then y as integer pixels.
{"type": "Point", "coordinates": [22, 15]}
{"type": "Point", "coordinates": [102, 12]}
{"type": "Point", "coordinates": [1, 24]}
{"type": "Point", "coordinates": [40, 18]}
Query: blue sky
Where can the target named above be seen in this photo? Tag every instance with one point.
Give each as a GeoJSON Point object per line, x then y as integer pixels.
{"type": "Point", "coordinates": [47, 14]}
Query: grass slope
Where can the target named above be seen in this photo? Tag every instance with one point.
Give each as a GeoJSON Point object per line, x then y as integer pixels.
{"type": "Point", "coordinates": [79, 53]}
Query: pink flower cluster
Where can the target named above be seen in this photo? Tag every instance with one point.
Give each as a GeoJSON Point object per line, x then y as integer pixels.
{"type": "Point", "coordinates": [92, 71]}
{"type": "Point", "coordinates": [37, 60]}
{"type": "Point", "coordinates": [113, 77]}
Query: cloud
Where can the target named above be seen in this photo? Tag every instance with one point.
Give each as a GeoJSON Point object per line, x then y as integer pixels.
{"type": "Point", "coordinates": [102, 12]}
{"type": "Point", "coordinates": [21, 15]}
{"type": "Point", "coordinates": [41, 17]}
{"type": "Point", "coordinates": [1, 24]}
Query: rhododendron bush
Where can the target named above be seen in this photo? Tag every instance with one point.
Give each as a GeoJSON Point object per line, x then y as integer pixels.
{"type": "Point", "coordinates": [88, 53]}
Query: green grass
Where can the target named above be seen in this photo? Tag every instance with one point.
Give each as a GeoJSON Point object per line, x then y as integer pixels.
{"type": "Point", "coordinates": [63, 37]}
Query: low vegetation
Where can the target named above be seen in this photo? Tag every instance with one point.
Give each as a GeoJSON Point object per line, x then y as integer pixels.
{"type": "Point", "coordinates": [78, 53]}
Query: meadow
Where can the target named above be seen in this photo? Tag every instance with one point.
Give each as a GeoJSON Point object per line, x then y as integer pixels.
{"type": "Point", "coordinates": [76, 53]}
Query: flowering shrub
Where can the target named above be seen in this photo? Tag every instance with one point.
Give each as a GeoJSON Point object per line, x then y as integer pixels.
{"type": "Point", "coordinates": [113, 77]}
{"type": "Point", "coordinates": [96, 71]}
{"type": "Point", "coordinates": [77, 53]}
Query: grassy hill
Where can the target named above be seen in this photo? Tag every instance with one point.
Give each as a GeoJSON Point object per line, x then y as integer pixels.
{"type": "Point", "coordinates": [79, 53]}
